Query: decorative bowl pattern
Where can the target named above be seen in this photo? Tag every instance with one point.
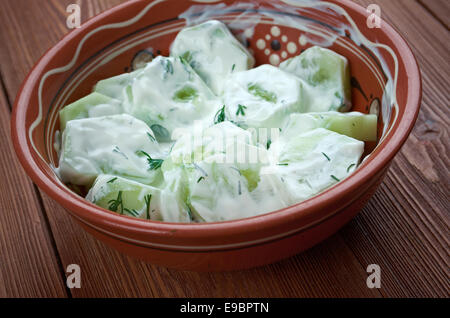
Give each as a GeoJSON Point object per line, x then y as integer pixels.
{"type": "Point", "coordinates": [385, 81]}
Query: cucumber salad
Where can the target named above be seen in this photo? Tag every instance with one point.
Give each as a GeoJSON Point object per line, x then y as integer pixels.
{"type": "Point", "coordinates": [205, 136]}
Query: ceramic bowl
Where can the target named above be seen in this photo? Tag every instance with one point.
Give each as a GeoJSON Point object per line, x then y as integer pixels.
{"type": "Point", "coordinates": [385, 80]}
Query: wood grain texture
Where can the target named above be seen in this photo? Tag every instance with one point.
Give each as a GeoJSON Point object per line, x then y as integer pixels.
{"type": "Point", "coordinates": [28, 262]}
{"type": "Point", "coordinates": [407, 221]}
{"type": "Point", "coordinates": [440, 9]}
{"type": "Point", "coordinates": [329, 269]}
{"type": "Point", "coordinates": [404, 228]}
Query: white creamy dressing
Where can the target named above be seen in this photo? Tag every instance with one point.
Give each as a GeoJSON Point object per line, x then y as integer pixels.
{"type": "Point", "coordinates": [264, 95]}
{"type": "Point", "coordinates": [162, 204]}
{"type": "Point", "coordinates": [111, 144]}
{"type": "Point", "coordinates": [212, 170]}
{"type": "Point", "coordinates": [168, 92]}
{"type": "Point", "coordinates": [213, 52]}
{"type": "Point", "coordinates": [327, 77]}
{"type": "Point", "coordinates": [312, 161]}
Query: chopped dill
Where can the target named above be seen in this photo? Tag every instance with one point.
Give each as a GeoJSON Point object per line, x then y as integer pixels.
{"type": "Point", "coordinates": [117, 150]}
{"type": "Point", "coordinates": [168, 66]}
{"type": "Point", "coordinates": [148, 199]}
{"type": "Point", "coordinates": [200, 179]}
{"type": "Point", "coordinates": [325, 155]}
{"type": "Point", "coordinates": [151, 137]}
{"type": "Point", "coordinates": [220, 116]}
{"type": "Point", "coordinates": [112, 180]}
{"type": "Point", "coordinates": [240, 110]}
{"type": "Point", "coordinates": [115, 204]}
{"type": "Point", "coordinates": [200, 169]}
{"type": "Point", "coordinates": [133, 212]}
{"type": "Point", "coordinates": [335, 178]}
{"type": "Point", "coordinates": [154, 164]}
{"type": "Point", "coordinates": [351, 166]}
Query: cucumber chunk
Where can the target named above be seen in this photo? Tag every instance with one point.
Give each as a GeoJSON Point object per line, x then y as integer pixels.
{"type": "Point", "coordinates": [356, 125]}
{"type": "Point", "coordinates": [220, 168]}
{"type": "Point", "coordinates": [328, 77]}
{"type": "Point", "coordinates": [203, 143]}
{"type": "Point", "coordinates": [221, 191]}
{"type": "Point", "coordinates": [263, 97]}
{"type": "Point", "coordinates": [120, 145]}
{"type": "Point", "coordinates": [169, 95]}
{"type": "Point", "coordinates": [93, 105]}
{"type": "Point", "coordinates": [138, 200]}
{"type": "Point", "coordinates": [115, 87]}
{"type": "Point", "coordinates": [315, 160]}
{"type": "Point", "coordinates": [214, 53]}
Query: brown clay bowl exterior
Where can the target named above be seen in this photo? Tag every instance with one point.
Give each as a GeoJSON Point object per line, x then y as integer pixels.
{"type": "Point", "coordinates": [110, 43]}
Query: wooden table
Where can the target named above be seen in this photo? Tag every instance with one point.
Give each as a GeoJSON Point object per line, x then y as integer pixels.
{"type": "Point", "coordinates": [404, 228]}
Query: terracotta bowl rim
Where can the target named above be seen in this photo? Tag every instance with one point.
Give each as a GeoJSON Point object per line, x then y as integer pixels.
{"type": "Point", "coordinates": [93, 214]}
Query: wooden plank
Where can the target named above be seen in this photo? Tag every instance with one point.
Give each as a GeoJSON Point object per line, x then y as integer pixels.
{"type": "Point", "coordinates": [440, 9]}
{"type": "Point", "coordinates": [28, 261]}
{"type": "Point", "coordinates": [404, 229]}
{"type": "Point", "coordinates": [405, 226]}
{"type": "Point", "coordinates": [327, 270]}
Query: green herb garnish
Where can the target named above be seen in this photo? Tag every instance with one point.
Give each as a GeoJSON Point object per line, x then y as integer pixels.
{"type": "Point", "coordinates": [115, 204]}
{"type": "Point", "coordinates": [153, 163]}
{"type": "Point", "coordinates": [234, 66]}
{"type": "Point", "coordinates": [112, 180]}
{"type": "Point", "coordinates": [151, 137]}
{"type": "Point", "coordinates": [187, 56]}
{"type": "Point", "coordinates": [240, 110]}
{"type": "Point", "coordinates": [148, 199]}
{"type": "Point", "coordinates": [220, 116]}
{"type": "Point", "coordinates": [200, 169]}
{"type": "Point", "coordinates": [161, 133]}
{"type": "Point", "coordinates": [349, 167]}
{"type": "Point", "coordinates": [168, 66]}
{"type": "Point", "coordinates": [117, 150]}
{"type": "Point", "coordinates": [189, 211]}
{"type": "Point", "coordinates": [334, 177]}
{"type": "Point", "coordinates": [133, 212]}
{"type": "Point", "coordinates": [269, 143]}
{"type": "Point", "coordinates": [325, 155]}
{"type": "Point", "coordinates": [200, 179]}
{"type": "Point", "coordinates": [283, 164]}
{"type": "Point", "coordinates": [258, 91]}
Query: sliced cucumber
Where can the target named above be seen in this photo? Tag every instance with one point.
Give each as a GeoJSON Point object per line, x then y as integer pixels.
{"type": "Point", "coordinates": [135, 199]}
{"type": "Point", "coordinates": [199, 145]}
{"type": "Point", "coordinates": [93, 105]}
{"type": "Point", "coordinates": [115, 87]}
{"type": "Point", "coordinates": [120, 145]}
{"type": "Point", "coordinates": [168, 95]}
{"type": "Point", "coordinates": [214, 53]}
{"type": "Point", "coordinates": [315, 160]}
{"type": "Point", "coordinates": [263, 97]}
{"type": "Point", "coordinates": [222, 191]}
{"type": "Point", "coordinates": [356, 125]}
{"type": "Point", "coordinates": [328, 77]}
